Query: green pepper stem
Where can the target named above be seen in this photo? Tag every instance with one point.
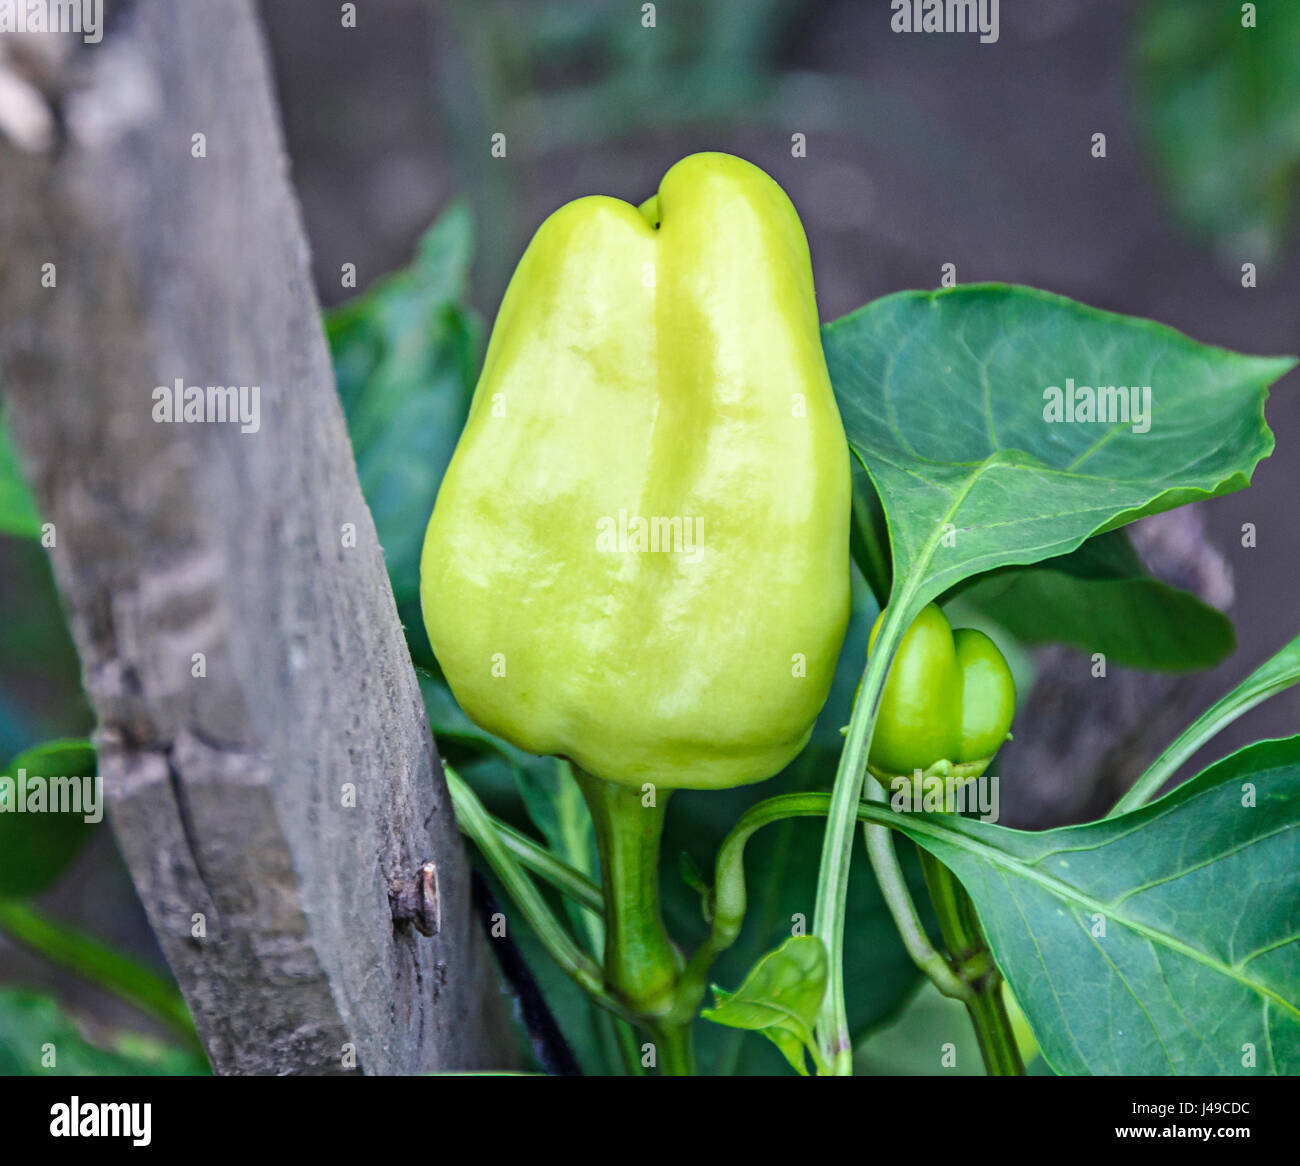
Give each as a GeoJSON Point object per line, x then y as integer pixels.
{"type": "Point", "coordinates": [837, 846]}
{"type": "Point", "coordinates": [641, 964]}
{"type": "Point", "coordinates": [980, 983]}
{"type": "Point", "coordinates": [894, 890]}
{"type": "Point", "coordinates": [995, 1035]}
{"type": "Point", "coordinates": [674, 1049]}
{"type": "Point", "coordinates": [973, 962]}
{"type": "Point", "coordinates": [730, 899]}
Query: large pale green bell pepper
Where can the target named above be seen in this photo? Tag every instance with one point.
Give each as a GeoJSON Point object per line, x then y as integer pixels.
{"type": "Point", "coordinates": [639, 555]}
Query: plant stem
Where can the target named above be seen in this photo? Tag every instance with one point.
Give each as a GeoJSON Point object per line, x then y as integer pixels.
{"type": "Point", "coordinates": [973, 963]}
{"type": "Point", "coordinates": [1276, 674]}
{"type": "Point", "coordinates": [477, 824]}
{"type": "Point", "coordinates": [629, 1049]}
{"type": "Point", "coordinates": [674, 1049]}
{"type": "Point", "coordinates": [641, 964]}
{"type": "Point", "coordinates": [981, 983]}
{"type": "Point", "coordinates": [894, 890]}
{"type": "Point", "coordinates": [571, 883]}
{"type": "Point", "coordinates": [994, 1033]}
{"type": "Point", "coordinates": [99, 964]}
{"type": "Point", "coordinates": [730, 899]}
{"type": "Point", "coordinates": [729, 894]}
{"type": "Point", "coordinates": [837, 846]}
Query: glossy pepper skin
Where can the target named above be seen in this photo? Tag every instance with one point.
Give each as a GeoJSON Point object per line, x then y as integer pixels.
{"type": "Point", "coordinates": [949, 697]}
{"type": "Point", "coordinates": [661, 362]}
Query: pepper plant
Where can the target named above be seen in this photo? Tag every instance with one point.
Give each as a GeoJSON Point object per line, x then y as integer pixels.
{"type": "Point", "coordinates": [658, 374]}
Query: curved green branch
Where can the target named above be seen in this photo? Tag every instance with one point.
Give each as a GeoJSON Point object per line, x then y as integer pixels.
{"type": "Point", "coordinates": [893, 888]}
{"type": "Point", "coordinates": [837, 848]}
{"type": "Point", "coordinates": [1276, 674]}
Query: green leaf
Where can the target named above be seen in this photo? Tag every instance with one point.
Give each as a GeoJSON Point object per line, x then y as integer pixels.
{"type": "Point", "coordinates": [37, 845]}
{"type": "Point", "coordinates": [558, 809]}
{"type": "Point", "coordinates": [406, 355]}
{"type": "Point", "coordinates": [1163, 941]}
{"type": "Point", "coordinates": [1219, 101]}
{"type": "Point", "coordinates": [942, 396]}
{"type": "Point", "coordinates": [869, 536]}
{"type": "Point", "coordinates": [31, 1023]}
{"type": "Point", "coordinates": [40, 682]}
{"type": "Point", "coordinates": [1097, 598]}
{"type": "Point", "coordinates": [1135, 621]}
{"type": "Point", "coordinates": [779, 998]}
{"type": "Point", "coordinates": [18, 516]}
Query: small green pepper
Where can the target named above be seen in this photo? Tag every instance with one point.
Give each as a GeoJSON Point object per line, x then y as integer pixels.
{"type": "Point", "coordinates": [947, 702]}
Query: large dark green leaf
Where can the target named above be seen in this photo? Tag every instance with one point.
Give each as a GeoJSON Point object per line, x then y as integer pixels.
{"type": "Point", "coordinates": [36, 845]}
{"type": "Point", "coordinates": [1220, 103]}
{"type": "Point", "coordinates": [1099, 598]}
{"type": "Point", "coordinates": [406, 355]}
{"type": "Point", "coordinates": [942, 395]}
{"type": "Point", "coordinates": [1163, 941]}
